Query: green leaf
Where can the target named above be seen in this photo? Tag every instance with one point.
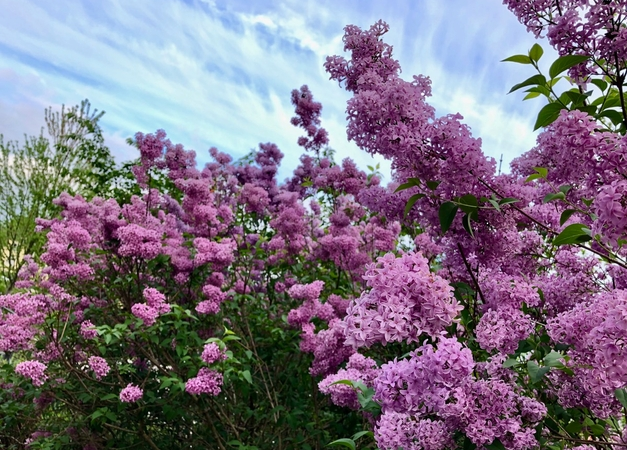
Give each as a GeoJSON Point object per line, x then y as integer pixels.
{"type": "Point", "coordinates": [411, 202]}
{"type": "Point", "coordinates": [468, 444]}
{"type": "Point", "coordinates": [565, 188]}
{"type": "Point", "coordinates": [520, 59]}
{"type": "Point", "coordinates": [612, 101]}
{"type": "Point", "coordinates": [574, 427]}
{"type": "Point", "coordinates": [564, 63]}
{"type": "Point", "coordinates": [602, 85]}
{"type": "Point", "coordinates": [346, 382]}
{"type": "Point", "coordinates": [553, 196]}
{"type": "Point", "coordinates": [531, 95]}
{"type": "Point", "coordinates": [543, 90]}
{"type": "Point", "coordinates": [467, 225]}
{"type": "Point", "coordinates": [613, 115]}
{"type": "Point", "coordinates": [547, 115]}
{"type": "Point", "coordinates": [468, 203]}
{"type": "Point", "coordinates": [511, 362]}
{"type": "Point", "coordinates": [596, 429]}
{"type": "Point", "coordinates": [621, 395]}
{"type": "Point", "coordinates": [536, 52]}
{"type": "Point", "coordinates": [576, 97]}
{"type": "Point", "coordinates": [411, 182]}
{"type": "Point", "coordinates": [344, 442]}
{"type": "Point", "coordinates": [363, 433]}
{"type": "Point", "coordinates": [433, 185]}
{"type": "Point", "coordinates": [508, 200]}
{"type": "Point", "coordinates": [533, 176]}
{"type": "Point", "coordinates": [588, 109]}
{"type": "Point", "coordinates": [495, 204]}
{"type": "Point", "coordinates": [553, 81]}
{"type": "Point", "coordinates": [573, 234]}
{"type": "Point", "coordinates": [553, 359]}
{"type": "Point", "coordinates": [246, 375]}
{"type": "Point", "coordinates": [365, 397]}
{"type": "Point", "coordinates": [531, 81]}
{"type": "Point", "coordinates": [495, 445]}
{"type": "Point", "coordinates": [543, 171]}
{"type": "Point", "coordinates": [536, 372]}
{"type": "Point", "coordinates": [566, 215]}
{"type": "Point", "coordinates": [447, 215]}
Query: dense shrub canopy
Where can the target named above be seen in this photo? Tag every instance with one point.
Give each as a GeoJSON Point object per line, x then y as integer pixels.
{"type": "Point", "coordinates": [218, 308]}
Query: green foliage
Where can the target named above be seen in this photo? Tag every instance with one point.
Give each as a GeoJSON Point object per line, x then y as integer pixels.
{"type": "Point", "coordinates": [608, 108]}
{"type": "Point", "coordinates": [576, 233]}
{"type": "Point", "coordinates": [72, 158]}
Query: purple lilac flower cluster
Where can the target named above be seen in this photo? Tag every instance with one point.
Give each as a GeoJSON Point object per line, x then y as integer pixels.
{"type": "Point", "coordinates": [131, 393]}
{"type": "Point", "coordinates": [100, 366]}
{"type": "Point", "coordinates": [427, 398]}
{"type": "Point", "coordinates": [34, 370]}
{"type": "Point", "coordinates": [206, 382]}
{"type": "Point", "coordinates": [155, 306]}
{"type": "Point", "coordinates": [358, 368]}
{"type": "Point", "coordinates": [212, 353]}
{"type": "Point", "coordinates": [406, 299]}
{"type": "Point", "coordinates": [595, 28]}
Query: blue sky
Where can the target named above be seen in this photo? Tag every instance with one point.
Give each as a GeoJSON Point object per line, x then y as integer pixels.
{"type": "Point", "coordinates": [219, 73]}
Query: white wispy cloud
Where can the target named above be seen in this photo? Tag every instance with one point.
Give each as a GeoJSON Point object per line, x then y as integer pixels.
{"type": "Point", "coordinates": [218, 73]}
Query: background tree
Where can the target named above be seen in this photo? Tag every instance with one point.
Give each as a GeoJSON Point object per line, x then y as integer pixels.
{"type": "Point", "coordinates": [71, 158]}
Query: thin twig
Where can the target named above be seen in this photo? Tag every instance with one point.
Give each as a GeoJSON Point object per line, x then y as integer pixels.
{"type": "Point", "coordinates": [472, 275]}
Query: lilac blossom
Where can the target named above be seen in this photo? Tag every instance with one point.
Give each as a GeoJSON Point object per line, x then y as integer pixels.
{"type": "Point", "coordinates": [34, 370]}
{"type": "Point", "coordinates": [131, 393]}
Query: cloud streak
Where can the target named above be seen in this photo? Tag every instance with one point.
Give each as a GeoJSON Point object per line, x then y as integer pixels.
{"type": "Point", "coordinates": [218, 73]}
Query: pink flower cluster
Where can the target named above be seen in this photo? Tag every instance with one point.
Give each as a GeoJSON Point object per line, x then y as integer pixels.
{"type": "Point", "coordinates": [328, 345]}
{"type": "Point", "coordinates": [155, 306]}
{"type": "Point", "coordinates": [212, 353]}
{"type": "Point", "coordinates": [33, 370]}
{"type": "Point", "coordinates": [22, 313]}
{"type": "Point", "coordinates": [308, 118]}
{"type": "Point", "coordinates": [358, 368]}
{"type": "Point", "coordinates": [595, 28]}
{"type": "Point", "coordinates": [214, 296]}
{"type": "Point", "coordinates": [502, 329]}
{"type": "Point", "coordinates": [131, 393]}
{"type": "Point", "coordinates": [88, 330]}
{"type": "Point", "coordinates": [427, 398]}
{"type": "Point", "coordinates": [596, 332]}
{"type": "Point", "coordinates": [99, 366]}
{"type": "Point", "coordinates": [206, 382]}
{"type": "Point", "coordinates": [406, 300]}
{"type": "Point", "coordinates": [610, 206]}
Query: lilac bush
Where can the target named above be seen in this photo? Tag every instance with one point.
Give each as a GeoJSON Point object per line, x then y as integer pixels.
{"type": "Point", "coordinates": [456, 307]}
